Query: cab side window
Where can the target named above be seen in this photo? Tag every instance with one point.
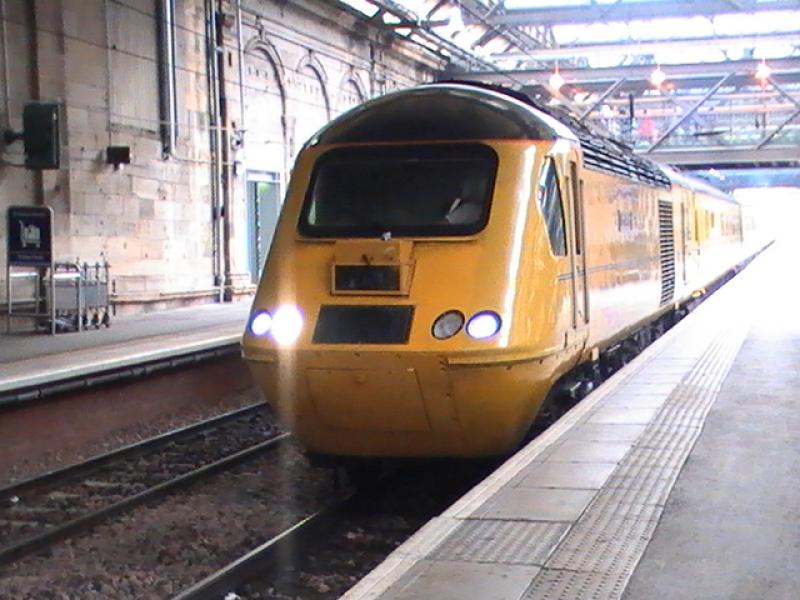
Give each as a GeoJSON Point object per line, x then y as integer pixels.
{"type": "Point", "coordinates": [549, 196]}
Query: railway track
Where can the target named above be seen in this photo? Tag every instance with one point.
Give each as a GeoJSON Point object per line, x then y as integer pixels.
{"type": "Point", "coordinates": [290, 542]}
{"type": "Point", "coordinates": [40, 511]}
{"type": "Point", "coordinates": [343, 541]}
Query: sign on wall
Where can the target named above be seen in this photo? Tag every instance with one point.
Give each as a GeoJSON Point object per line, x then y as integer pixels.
{"type": "Point", "coordinates": [30, 236]}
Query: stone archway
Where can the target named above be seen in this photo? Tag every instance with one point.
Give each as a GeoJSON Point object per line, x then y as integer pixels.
{"type": "Point", "coordinates": [311, 105]}
{"type": "Point", "coordinates": [265, 106]}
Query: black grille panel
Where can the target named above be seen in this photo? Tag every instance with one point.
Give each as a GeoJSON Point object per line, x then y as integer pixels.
{"type": "Point", "coordinates": [606, 155]}
{"type": "Point", "coordinates": [366, 278]}
{"type": "Point", "coordinates": [666, 244]}
{"type": "Point", "coordinates": [339, 324]}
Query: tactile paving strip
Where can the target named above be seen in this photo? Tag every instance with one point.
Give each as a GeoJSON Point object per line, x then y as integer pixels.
{"type": "Point", "coordinates": [509, 542]}
{"type": "Point", "coordinates": [554, 584]}
{"type": "Point", "coordinates": [599, 553]}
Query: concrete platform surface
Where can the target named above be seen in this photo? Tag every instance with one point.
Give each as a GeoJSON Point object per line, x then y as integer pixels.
{"type": "Point", "coordinates": [731, 526]}
{"type": "Point", "coordinates": [605, 505]}
{"type": "Point", "coordinates": [33, 359]}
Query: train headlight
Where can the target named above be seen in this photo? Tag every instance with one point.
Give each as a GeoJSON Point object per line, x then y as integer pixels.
{"type": "Point", "coordinates": [261, 323]}
{"type": "Point", "coordinates": [447, 324]}
{"type": "Point", "coordinates": [287, 322]}
{"type": "Point", "coordinates": [484, 325]}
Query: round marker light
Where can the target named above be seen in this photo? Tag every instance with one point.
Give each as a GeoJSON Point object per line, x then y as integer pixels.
{"type": "Point", "coordinates": [287, 322]}
{"type": "Point", "coordinates": [261, 323]}
{"type": "Point", "coordinates": [484, 325]}
{"type": "Point", "coordinates": [447, 324]}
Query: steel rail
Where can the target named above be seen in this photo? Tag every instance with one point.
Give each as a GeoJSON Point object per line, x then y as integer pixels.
{"type": "Point", "coordinates": [296, 543]}
{"type": "Point", "coordinates": [72, 470]}
{"type": "Point", "coordinates": [291, 540]}
{"type": "Point", "coordinates": [86, 522]}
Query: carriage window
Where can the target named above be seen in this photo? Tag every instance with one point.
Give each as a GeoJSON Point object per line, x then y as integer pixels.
{"type": "Point", "coordinates": [549, 196]}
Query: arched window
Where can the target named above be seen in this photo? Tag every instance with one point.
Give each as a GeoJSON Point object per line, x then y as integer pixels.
{"type": "Point", "coordinates": [549, 196]}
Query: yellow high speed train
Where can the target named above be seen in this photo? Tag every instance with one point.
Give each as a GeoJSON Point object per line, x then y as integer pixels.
{"type": "Point", "coordinates": [450, 257]}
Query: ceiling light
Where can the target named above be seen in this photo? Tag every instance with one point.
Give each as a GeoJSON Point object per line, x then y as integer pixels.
{"type": "Point", "coordinates": [657, 77]}
{"type": "Point", "coordinates": [763, 72]}
{"type": "Point", "coordinates": [556, 80]}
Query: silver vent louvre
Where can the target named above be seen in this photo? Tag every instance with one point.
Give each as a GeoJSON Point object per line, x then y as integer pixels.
{"type": "Point", "coordinates": [666, 245]}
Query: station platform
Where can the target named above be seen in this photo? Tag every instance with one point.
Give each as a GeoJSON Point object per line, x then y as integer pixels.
{"type": "Point", "coordinates": [677, 478]}
{"type": "Point", "coordinates": [29, 361]}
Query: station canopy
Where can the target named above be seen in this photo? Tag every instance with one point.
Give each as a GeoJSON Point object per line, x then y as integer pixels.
{"type": "Point", "coordinates": [692, 82]}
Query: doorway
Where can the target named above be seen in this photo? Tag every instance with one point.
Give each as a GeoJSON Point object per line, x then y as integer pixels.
{"type": "Point", "coordinates": [263, 208]}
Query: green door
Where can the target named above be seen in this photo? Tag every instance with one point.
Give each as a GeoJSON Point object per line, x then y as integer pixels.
{"type": "Point", "coordinates": [263, 207]}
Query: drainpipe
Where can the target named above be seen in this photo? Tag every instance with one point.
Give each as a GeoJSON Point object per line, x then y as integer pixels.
{"type": "Point", "coordinates": [6, 84]}
{"type": "Point", "coordinates": [35, 39]}
{"type": "Point", "coordinates": [214, 143]}
{"type": "Point", "coordinates": [240, 34]}
{"type": "Point", "coordinates": [225, 154]}
{"type": "Point", "coordinates": [166, 77]}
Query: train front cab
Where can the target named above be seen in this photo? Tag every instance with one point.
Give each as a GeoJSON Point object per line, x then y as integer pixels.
{"type": "Point", "coordinates": [366, 374]}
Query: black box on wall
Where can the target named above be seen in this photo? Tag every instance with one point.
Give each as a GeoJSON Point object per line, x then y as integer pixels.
{"type": "Point", "coordinates": [40, 123]}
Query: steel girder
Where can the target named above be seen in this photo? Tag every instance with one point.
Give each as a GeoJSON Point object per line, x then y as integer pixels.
{"type": "Point", "coordinates": [627, 11]}
{"type": "Point", "coordinates": [644, 47]}
{"type": "Point", "coordinates": [701, 73]}
{"type": "Point", "coordinates": [716, 156]}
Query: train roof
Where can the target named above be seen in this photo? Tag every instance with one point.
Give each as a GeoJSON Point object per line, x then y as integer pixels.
{"type": "Point", "coordinates": [697, 185]}
{"type": "Point", "coordinates": [472, 110]}
{"type": "Point", "coordinates": [443, 112]}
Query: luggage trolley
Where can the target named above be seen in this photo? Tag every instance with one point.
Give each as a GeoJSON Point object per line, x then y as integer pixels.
{"type": "Point", "coordinates": [69, 296]}
{"type": "Point", "coordinates": [80, 295]}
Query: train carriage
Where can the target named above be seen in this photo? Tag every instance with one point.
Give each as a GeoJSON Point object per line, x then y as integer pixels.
{"type": "Point", "coordinates": [449, 255]}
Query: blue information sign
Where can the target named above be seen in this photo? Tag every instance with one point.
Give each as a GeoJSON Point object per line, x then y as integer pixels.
{"type": "Point", "coordinates": [30, 236]}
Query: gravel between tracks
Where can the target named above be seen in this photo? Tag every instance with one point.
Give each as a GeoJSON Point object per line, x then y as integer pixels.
{"type": "Point", "coordinates": [156, 551]}
{"type": "Point", "coordinates": [128, 435]}
{"type": "Point", "coordinates": [368, 532]}
{"type": "Point", "coordinates": [38, 509]}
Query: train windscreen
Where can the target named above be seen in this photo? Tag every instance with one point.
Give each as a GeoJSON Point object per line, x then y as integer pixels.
{"type": "Point", "coordinates": [431, 190]}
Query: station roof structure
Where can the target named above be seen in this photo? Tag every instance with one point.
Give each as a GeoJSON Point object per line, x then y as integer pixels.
{"type": "Point", "coordinates": [694, 83]}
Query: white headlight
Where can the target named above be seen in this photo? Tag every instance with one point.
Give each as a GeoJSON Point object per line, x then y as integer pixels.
{"type": "Point", "coordinates": [287, 322]}
{"type": "Point", "coordinates": [261, 323]}
{"type": "Point", "coordinates": [447, 324]}
{"type": "Point", "coordinates": [483, 325]}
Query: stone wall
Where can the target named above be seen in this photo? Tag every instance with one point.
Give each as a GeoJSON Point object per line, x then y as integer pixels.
{"type": "Point", "coordinates": [175, 226]}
